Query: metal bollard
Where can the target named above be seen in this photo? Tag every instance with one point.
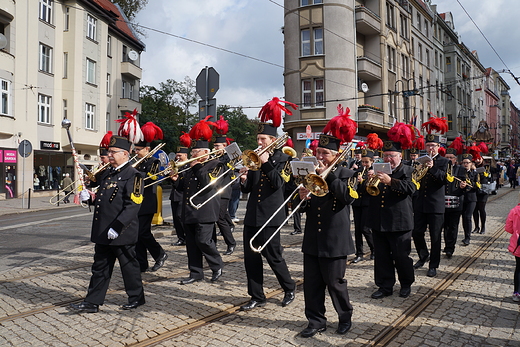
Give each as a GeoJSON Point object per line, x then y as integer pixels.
{"type": "Point", "coordinates": [29, 200]}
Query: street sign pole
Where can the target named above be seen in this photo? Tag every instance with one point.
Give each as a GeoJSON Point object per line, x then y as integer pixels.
{"type": "Point", "coordinates": [207, 85]}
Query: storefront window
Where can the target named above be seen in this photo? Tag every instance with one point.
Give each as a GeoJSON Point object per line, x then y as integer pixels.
{"type": "Point", "coordinates": [50, 169]}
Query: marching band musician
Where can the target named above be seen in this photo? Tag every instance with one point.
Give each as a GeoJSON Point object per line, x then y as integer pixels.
{"type": "Point", "coordinates": [224, 222]}
{"type": "Point", "coordinates": [414, 154]}
{"type": "Point", "coordinates": [266, 193]}
{"type": "Point", "coordinates": [355, 163]}
{"type": "Point", "coordinates": [148, 168]}
{"type": "Point", "coordinates": [176, 200]}
{"type": "Point", "coordinates": [393, 224]}
{"type": "Point", "coordinates": [360, 207]}
{"type": "Point", "coordinates": [429, 205]}
{"type": "Point", "coordinates": [454, 201]}
{"type": "Point", "coordinates": [115, 229]}
{"type": "Point", "coordinates": [326, 243]}
{"type": "Point", "coordinates": [482, 196]}
{"type": "Point", "coordinates": [198, 223]}
{"type": "Point", "coordinates": [470, 195]}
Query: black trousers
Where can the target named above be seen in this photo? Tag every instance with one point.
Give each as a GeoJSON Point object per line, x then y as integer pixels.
{"type": "Point", "coordinates": [434, 222]}
{"type": "Point", "coordinates": [177, 222]}
{"type": "Point", "coordinates": [516, 276]}
{"type": "Point", "coordinates": [225, 223]}
{"type": "Point", "coordinates": [451, 229]}
{"type": "Point", "coordinates": [147, 241]}
{"type": "Point", "coordinates": [392, 251]}
{"type": "Point", "coordinates": [254, 265]}
{"type": "Point", "coordinates": [199, 242]}
{"type": "Point", "coordinates": [467, 212]}
{"type": "Point", "coordinates": [104, 259]}
{"type": "Point", "coordinates": [480, 211]}
{"type": "Point", "coordinates": [360, 221]}
{"type": "Point", "coordinates": [318, 274]}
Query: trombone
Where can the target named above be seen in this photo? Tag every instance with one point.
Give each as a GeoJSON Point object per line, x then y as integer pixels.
{"type": "Point", "coordinates": [148, 155]}
{"type": "Point", "coordinates": [315, 184]}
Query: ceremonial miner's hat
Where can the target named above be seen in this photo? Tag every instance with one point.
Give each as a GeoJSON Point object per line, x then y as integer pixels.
{"type": "Point", "coordinates": [272, 111]}
{"type": "Point", "coordinates": [340, 129]}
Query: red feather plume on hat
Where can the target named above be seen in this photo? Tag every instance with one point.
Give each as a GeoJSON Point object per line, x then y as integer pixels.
{"type": "Point", "coordinates": [458, 145]}
{"type": "Point", "coordinates": [418, 143]}
{"type": "Point", "coordinates": [185, 139]}
{"type": "Point", "coordinates": [474, 151]}
{"type": "Point", "coordinates": [151, 132]}
{"type": "Point", "coordinates": [105, 142]}
{"type": "Point", "coordinates": [341, 126]}
{"type": "Point", "coordinates": [201, 130]}
{"type": "Point", "coordinates": [402, 133]}
{"type": "Point", "coordinates": [313, 146]}
{"type": "Point", "coordinates": [374, 142]}
{"type": "Point", "coordinates": [361, 145]}
{"type": "Point", "coordinates": [289, 143]}
{"type": "Point", "coordinates": [442, 151]}
{"type": "Point", "coordinates": [272, 110]}
{"type": "Point", "coordinates": [436, 124]}
{"type": "Point", "coordinates": [129, 127]}
{"type": "Point", "coordinates": [221, 126]}
{"type": "Point", "coordinates": [483, 148]}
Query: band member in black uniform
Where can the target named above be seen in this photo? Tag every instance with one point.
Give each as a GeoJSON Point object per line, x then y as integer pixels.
{"type": "Point", "coordinates": [392, 225]}
{"type": "Point", "coordinates": [484, 177]}
{"type": "Point", "coordinates": [454, 201]}
{"type": "Point", "coordinates": [429, 207]}
{"type": "Point", "coordinates": [470, 195]}
{"type": "Point", "coordinates": [115, 230]}
{"type": "Point", "coordinates": [355, 163]}
{"type": "Point", "coordinates": [327, 241]}
{"type": "Point", "coordinates": [103, 155]}
{"type": "Point", "coordinates": [266, 193]}
{"type": "Point", "coordinates": [147, 242]}
{"type": "Point", "coordinates": [198, 223]}
{"type": "Point", "coordinates": [176, 199]}
{"type": "Point", "coordinates": [360, 206]}
{"type": "Point", "coordinates": [224, 222]}
{"type": "Point", "coordinates": [414, 154]}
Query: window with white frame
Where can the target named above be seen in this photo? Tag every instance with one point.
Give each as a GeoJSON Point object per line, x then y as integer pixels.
{"type": "Point", "coordinates": [65, 109]}
{"type": "Point", "coordinates": [107, 121]}
{"type": "Point", "coordinates": [65, 64]}
{"type": "Point", "coordinates": [67, 19]}
{"type": "Point", "coordinates": [313, 93]}
{"type": "Point", "coordinates": [109, 45]}
{"type": "Point", "coordinates": [312, 41]}
{"type": "Point", "coordinates": [311, 2]}
{"type": "Point", "coordinates": [45, 58]}
{"type": "Point", "coordinates": [108, 84]}
{"type": "Point", "coordinates": [391, 58]}
{"type": "Point", "coordinates": [45, 11]}
{"type": "Point", "coordinates": [5, 99]}
{"type": "Point", "coordinates": [404, 25]}
{"type": "Point", "coordinates": [91, 27]}
{"type": "Point", "coordinates": [390, 19]}
{"type": "Point", "coordinates": [91, 71]}
{"type": "Point", "coordinates": [89, 116]}
{"type": "Point", "coordinates": [44, 109]}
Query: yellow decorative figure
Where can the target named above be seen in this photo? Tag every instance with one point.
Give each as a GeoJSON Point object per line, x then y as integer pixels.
{"type": "Point", "coordinates": [157, 217]}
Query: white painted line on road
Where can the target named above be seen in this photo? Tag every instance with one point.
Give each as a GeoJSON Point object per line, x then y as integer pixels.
{"type": "Point", "coordinates": [44, 221]}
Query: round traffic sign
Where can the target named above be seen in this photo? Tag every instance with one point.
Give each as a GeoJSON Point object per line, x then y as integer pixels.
{"type": "Point", "coordinates": [25, 148]}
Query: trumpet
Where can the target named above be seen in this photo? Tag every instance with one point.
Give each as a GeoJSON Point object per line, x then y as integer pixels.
{"type": "Point", "coordinates": [148, 155]}
{"type": "Point", "coordinates": [372, 184]}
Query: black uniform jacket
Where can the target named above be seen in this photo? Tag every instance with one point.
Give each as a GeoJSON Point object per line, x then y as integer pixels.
{"type": "Point", "coordinates": [223, 167]}
{"type": "Point", "coordinates": [470, 194]}
{"type": "Point", "coordinates": [114, 207]}
{"type": "Point", "coordinates": [327, 229]}
{"type": "Point", "coordinates": [176, 193]}
{"type": "Point", "coordinates": [194, 180]}
{"type": "Point", "coordinates": [391, 210]}
{"type": "Point", "coordinates": [363, 199]}
{"type": "Point", "coordinates": [453, 188]}
{"type": "Point", "coordinates": [149, 168]}
{"type": "Point", "coordinates": [266, 192]}
{"type": "Point", "coordinates": [430, 197]}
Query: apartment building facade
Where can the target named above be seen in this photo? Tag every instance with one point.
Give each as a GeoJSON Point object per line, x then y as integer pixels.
{"type": "Point", "coordinates": [70, 59]}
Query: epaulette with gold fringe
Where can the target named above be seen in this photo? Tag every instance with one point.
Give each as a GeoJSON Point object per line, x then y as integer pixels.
{"type": "Point", "coordinates": [137, 195]}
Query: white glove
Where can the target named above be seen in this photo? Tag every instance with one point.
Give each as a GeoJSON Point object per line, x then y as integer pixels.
{"type": "Point", "coordinates": [112, 234]}
{"type": "Point", "coordinates": [84, 195]}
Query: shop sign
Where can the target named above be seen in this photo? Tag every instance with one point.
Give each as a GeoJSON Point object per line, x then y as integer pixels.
{"type": "Point", "coordinates": [9, 156]}
{"type": "Point", "coordinates": [55, 146]}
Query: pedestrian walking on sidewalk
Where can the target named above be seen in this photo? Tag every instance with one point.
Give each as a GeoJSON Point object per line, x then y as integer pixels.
{"type": "Point", "coordinates": [513, 227]}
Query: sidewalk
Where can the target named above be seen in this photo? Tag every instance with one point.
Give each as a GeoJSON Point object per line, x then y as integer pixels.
{"type": "Point", "coordinates": [11, 206]}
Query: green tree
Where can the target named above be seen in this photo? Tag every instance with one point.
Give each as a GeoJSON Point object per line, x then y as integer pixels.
{"type": "Point", "coordinates": [241, 129]}
{"type": "Point", "coordinates": [131, 7]}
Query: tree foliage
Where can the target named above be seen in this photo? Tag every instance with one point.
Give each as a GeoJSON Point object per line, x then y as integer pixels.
{"type": "Point", "coordinates": [131, 7]}
{"type": "Point", "coordinates": [241, 129]}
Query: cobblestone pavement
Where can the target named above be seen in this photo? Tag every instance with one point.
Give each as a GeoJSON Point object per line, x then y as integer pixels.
{"type": "Point", "coordinates": [475, 310]}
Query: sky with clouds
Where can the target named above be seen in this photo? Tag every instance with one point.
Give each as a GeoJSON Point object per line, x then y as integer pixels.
{"type": "Point", "coordinates": [252, 28]}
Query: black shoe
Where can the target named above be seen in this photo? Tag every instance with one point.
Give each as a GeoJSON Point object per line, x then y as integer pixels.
{"type": "Point", "coordinates": [421, 262]}
{"type": "Point", "coordinates": [189, 280]}
{"type": "Point", "coordinates": [252, 304]}
{"type": "Point", "coordinates": [431, 273]}
{"type": "Point", "coordinates": [132, 305]}
{"type": "Point", "coordinates": [85, 307]}
{"type": "Point", "coordinates": [465, 242]}
{"type": "Point", "coordinates": [216, 275]}
{"type": "Point", "coordinates": [476, 230]}
{"type": "Point", "coordinates": [449, 255]}
{"type": "Point", "coordinates": [288, 298]}
{"type": "Point", "coordinates": [310, 332]}
{"type": "Point", "coordinates": [296, 232]}
{"type": "Point", "coordinates": [483, 230]}
{"type": "Point", "coordinates": [160, 262]}
{"type": "Point", "coordinates": [179, 243]}
{"type": "Point", "coordinates": [229, 250]}
{"type": "Point", "coordinates": [379, 294]}
{"type": "Point", "coordinates": [372, 256]}
{"type": "Point", "coordinates": [405, 292]}
{"type": "Point", "coordinates": [357, 259]}
{"type": "Point", "coordinates": [343, 328]}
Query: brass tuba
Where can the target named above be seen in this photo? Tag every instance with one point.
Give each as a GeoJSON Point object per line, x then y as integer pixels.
{"type": "Point", "coordinates": [291, 152]}
{"type": "Point", "coordinates": [418, 173]}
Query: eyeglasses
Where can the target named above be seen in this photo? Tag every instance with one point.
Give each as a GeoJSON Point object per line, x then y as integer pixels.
{"type": "Point", "coordinates": [112, 152]}
{"type": "Point", "coordinates": [138, 149]}
{"type": "Point", "coordinates": [390, 155]}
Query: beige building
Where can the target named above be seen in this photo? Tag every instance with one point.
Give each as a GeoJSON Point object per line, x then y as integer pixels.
{"type": "Point", "coordinates": [71, 59]}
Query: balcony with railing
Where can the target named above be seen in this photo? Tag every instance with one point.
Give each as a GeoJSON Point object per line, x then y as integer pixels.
{"type": "Point", "coordinates": [367, 22]}
{"type": "Point", "coordinates": [131, 70]}
{"type": "Point", "coordinates": [368, 69]}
